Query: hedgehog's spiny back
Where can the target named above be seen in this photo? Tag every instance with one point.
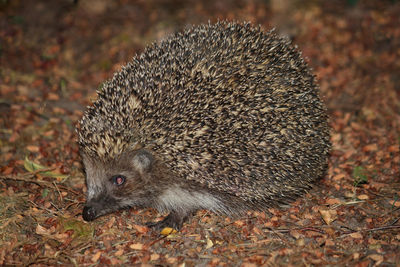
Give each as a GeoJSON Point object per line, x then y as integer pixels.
{"type": "Point", "coordinates": [226, 105]}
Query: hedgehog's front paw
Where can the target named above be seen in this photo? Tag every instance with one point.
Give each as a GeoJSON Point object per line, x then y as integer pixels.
{"type": "Point", "coordinates": [174, 220]}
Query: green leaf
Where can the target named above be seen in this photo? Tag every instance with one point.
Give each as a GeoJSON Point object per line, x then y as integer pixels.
{"type": "Point", "coordinates": [45, 193]}
{"type": "Point", "coordinates": [360, 176]}
{"type": "Point", "coordinates": [81, 229]}
{"type": "Point", "coordinates": [33, 167]}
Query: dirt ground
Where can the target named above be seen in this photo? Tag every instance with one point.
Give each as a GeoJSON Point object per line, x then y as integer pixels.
{"type": "Point", "coordinates": [53, 56]}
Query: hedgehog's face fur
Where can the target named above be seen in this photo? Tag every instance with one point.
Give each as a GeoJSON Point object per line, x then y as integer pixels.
{"type": "Point", "coordinates": [119, 183]}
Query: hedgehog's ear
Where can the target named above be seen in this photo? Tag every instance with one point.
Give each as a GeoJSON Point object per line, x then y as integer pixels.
{"type": "Point", "coordinates": [143, 160]}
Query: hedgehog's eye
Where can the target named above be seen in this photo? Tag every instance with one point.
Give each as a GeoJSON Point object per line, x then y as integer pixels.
{"type": "Point", "coordinates": [118, 179]}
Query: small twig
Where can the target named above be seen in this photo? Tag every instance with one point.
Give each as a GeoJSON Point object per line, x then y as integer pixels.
{"type": "Point", "coordinates": [279, 236]}
{"type": "Point", "coordinates": [18, 178]}
{"type": "Point", "coordinates": [38, 182]}
{"type": "Point", "coordinates": [69, 189]}
{"type": "Point", "coordinates": [314, 228]}
{"type": "Point", "coordinates": [155, 241]}
{"type": "Point", "coordinates": [350, 203]}
{"type": "Point", "coordinates": [388, 227]}
{"type": "Point", "coordinates": [390, 211]}
{"type": "Point", "coordinates": [334, 206]}
{"type": "Point", "coordinates": [34, 112]}
{"type": "Point", "coordinates": [395, 221]}
{"type": "Point", "coordinates": [54, 205]}
{"type": "Point", "coordinates": [42, 208]}
{"type": "Point", "coordinates": [351, 229]}
{"type": "Point", "coordinates": [382, 228]}
{"type": "Point", "coordinates": [55, 185]}
{"type": "Point", "coordinates": [71, 204]}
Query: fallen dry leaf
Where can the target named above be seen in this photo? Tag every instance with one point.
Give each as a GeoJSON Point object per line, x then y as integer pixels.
{"type": "Point", "coordinates": [119, 252]}
{"type": "Point", "coordinates": [377, 258]}
{"type": "Point", "coordinates": [168, 231]}
{"type": "Point", "coordinates": [96, 257]}
{"type": "Point", "coordinates": [154, 257]}
{"type": "Point", "coordinates": [137, 246]}
{"type": "Point", "coordinates": [140, 228]}
{"type": "Point", "coordinates": [332, 201]}
{"type": "Point", "coordinates": [210, 244]}
{"type": "Point", "coordinates": [395, 203]}
{"type": "Point", "coordinates": [370, 148]}
{"type": "Point", "coordinates": [356, 235]}
{"type": "Point", "coordinates": [328, 215]}
{"type": "Point", "coordinates": [40, 230]}
{"type": "Point", "coordinates": [32, 148]}
{"type": "Point", "coordinates": [363, 197]}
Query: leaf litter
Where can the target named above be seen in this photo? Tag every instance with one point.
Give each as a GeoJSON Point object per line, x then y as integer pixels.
{"type": "Point", "coordinates": [51, 68]}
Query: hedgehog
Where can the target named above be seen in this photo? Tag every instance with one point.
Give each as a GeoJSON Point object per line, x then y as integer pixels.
{"type": "Point", "coordinates": [223, 117]}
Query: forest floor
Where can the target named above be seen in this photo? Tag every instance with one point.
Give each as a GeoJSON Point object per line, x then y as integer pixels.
{"type": "Point", "coordinates": [53, 56]}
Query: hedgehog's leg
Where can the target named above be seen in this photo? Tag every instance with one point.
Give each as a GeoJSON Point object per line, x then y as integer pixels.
{"type": "Point", "coordinates": [174, 220]}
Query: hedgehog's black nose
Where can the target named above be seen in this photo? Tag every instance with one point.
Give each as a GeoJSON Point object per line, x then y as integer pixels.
{"type": "Point", "coordinates": [89, 213]}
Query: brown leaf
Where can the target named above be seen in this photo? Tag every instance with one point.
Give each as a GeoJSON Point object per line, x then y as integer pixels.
{"type": "Point", "coordinates": [356, 255]}
{"type": "Point", "coordinates": [395, 203]}
{"type": "Point", "coordinates": [332, 201]}
{"type": "Point", "coordinates": [119, 252]}
{"type": "Point", "coordinates": [7, 170]}
{"type": "Point", "coordinates": [53, 96]}
{"type": "Point", "coordinates": [328, 215]}
{"type": "Point", "coordinates": [154, 256]}
{"type": "Point", "coordinates": [377, 185]}
{"type": "Point", "coordinates": [239, 223]}
{"type": "Point", "coordinates": [137, 246]}
{"type": "Point", "coordinates": [32, 148]}
{"type": "Point", "coordinates": [40, 230]}
{"type": "Point", "coordinates": [339, 176]}
{"type": "Point", "coordinates": [172, 260]}
{"type": "Point", "coordinates": [356, 235]}
{"type": "Point", "coordinates": [295, 233]}
{"type": "Point", "coordinates": [140, 228]}
{"type": "Point", "coordinates": [62, 237]}
{"type": "Point", "coordinates": [363, 197]}
{"type": "Point", "coordinates": [115, 262]}
{"type": "Point", "coordinates": [300, 242]}
{"type": "Point", "coordinates": [329, 243]}
{"type": "Point", "coordinates": [370, 148]}
{"type": "Point", "coordinates": [257, 231]}
{"type": "Point", "coordinates": [96, 256]}
{"type": "Point", "coordinates": [376, 257]}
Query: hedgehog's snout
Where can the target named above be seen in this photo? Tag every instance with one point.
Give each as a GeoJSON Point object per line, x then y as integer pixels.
{"type": "Point", "coordinates": [89, 213]}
